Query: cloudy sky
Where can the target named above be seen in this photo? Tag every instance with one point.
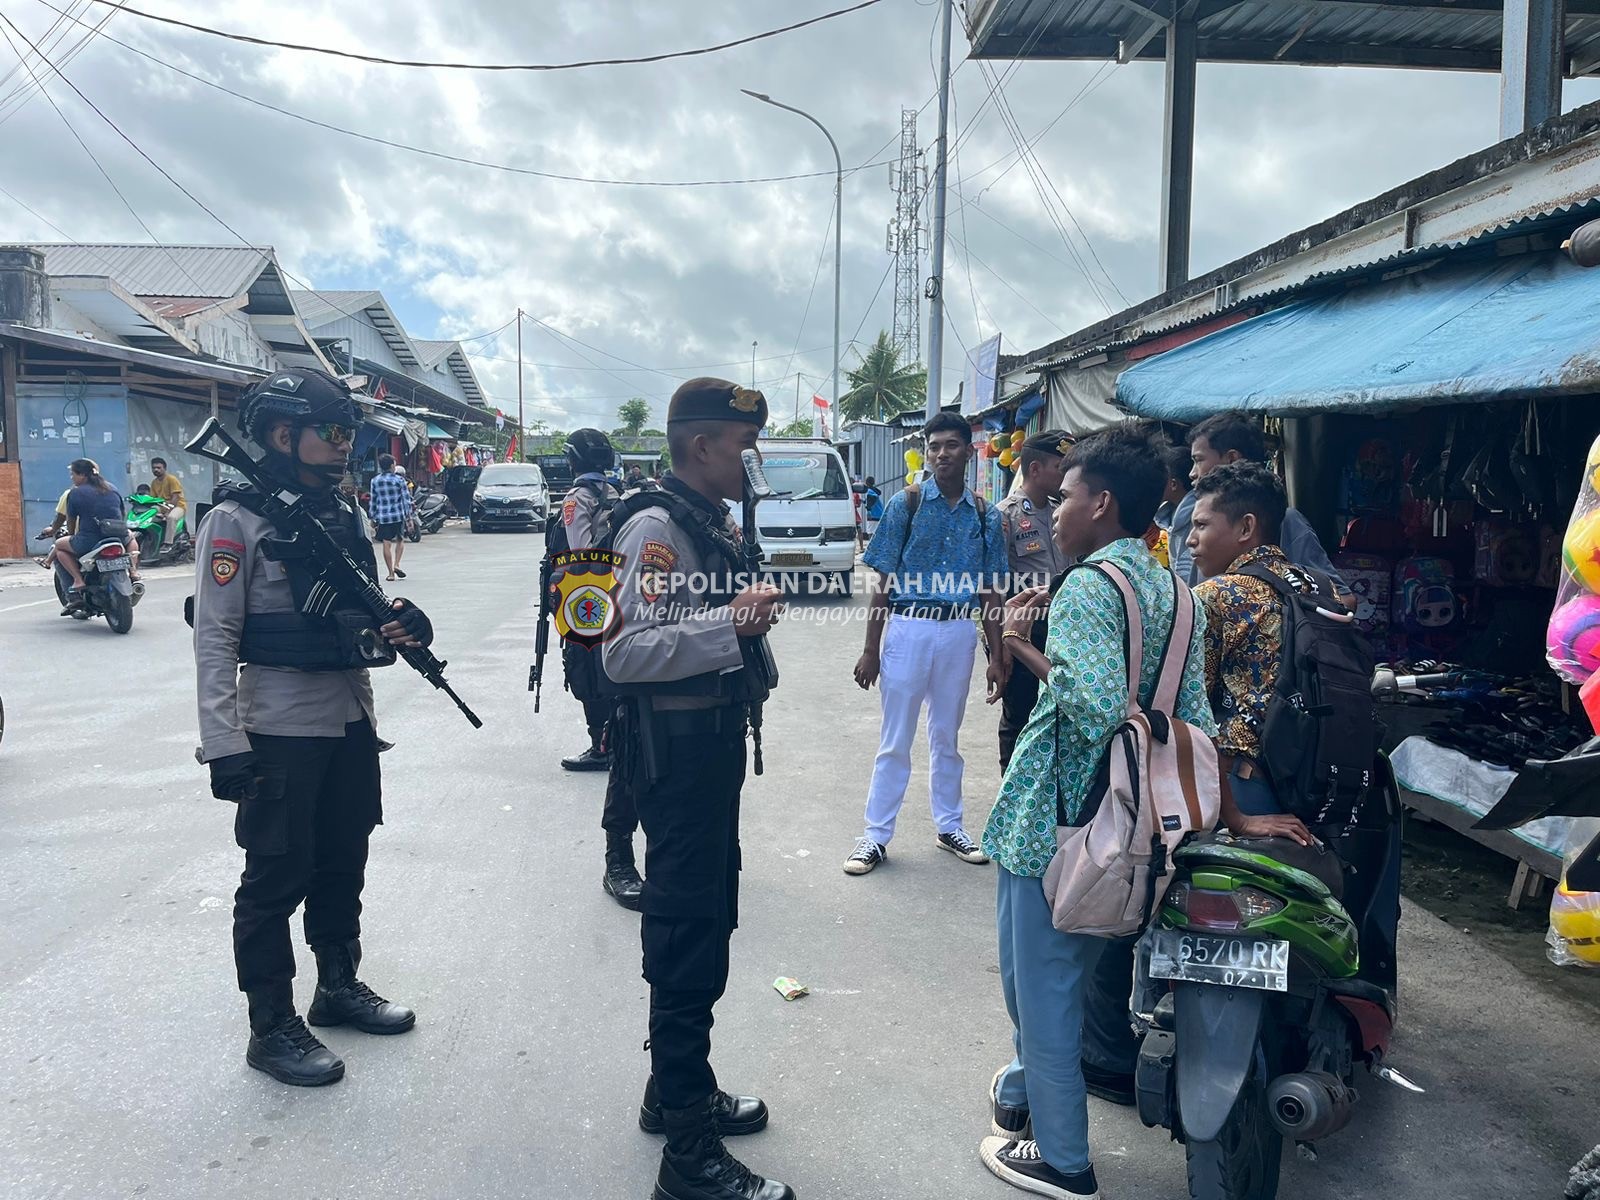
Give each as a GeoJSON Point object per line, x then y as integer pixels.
{"type": "Point", "coordinates": [678, 280]}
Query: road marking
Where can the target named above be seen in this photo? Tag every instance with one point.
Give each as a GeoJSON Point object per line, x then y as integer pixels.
{"type": "Point", "coordinates": [30, 604]}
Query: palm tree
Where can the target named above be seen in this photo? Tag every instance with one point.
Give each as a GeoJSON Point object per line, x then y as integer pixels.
{"type": "Point", "coordinates": [882, 387]}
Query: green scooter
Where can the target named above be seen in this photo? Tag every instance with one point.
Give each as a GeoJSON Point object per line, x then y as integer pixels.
{"type": "Point", "coordinates": [1259, 1010]}
{"type": "Point", "coordinates": [145, 519]}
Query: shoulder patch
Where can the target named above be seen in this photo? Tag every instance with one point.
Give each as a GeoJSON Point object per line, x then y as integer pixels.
{"type": "Point", "coordinates": [228, 544]}
{"type": "Point", "coordinates": [224, 567]}
{"type": "Point", "coordinates": [569, 510]}
{"type": "Point", "coordinates": [658, 554]}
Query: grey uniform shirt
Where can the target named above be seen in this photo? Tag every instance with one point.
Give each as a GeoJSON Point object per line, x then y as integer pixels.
{"type": "Point", "coordinates": [233, 577]}
{"type": "Point", "coordinates": [670, 629]}
{"type": "Point", "coordinates": [1030, 542]}
{"type": "Point", "coordinates": [579, 510]}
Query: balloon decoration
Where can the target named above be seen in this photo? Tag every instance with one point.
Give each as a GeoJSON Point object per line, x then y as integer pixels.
{"type": "Point", "coordinates": [911, 478]}
{"type": "Point", "coordinates": [1008, 458]}
{"type": "Point", "coordinates": [914, 460]}
{"type": "Point", "coordinates": [1017, 438]}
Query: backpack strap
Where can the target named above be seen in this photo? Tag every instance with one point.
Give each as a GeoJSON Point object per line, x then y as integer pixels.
{"type": "Point", "coordinates": [1133, 627]}
{"type": "Point", "coordinates": [1175, 658]}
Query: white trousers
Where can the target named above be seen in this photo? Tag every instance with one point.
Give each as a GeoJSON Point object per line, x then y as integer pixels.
{"type": "Point", "coordinates": [921, 660]}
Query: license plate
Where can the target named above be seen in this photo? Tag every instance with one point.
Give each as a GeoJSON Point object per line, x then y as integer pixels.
{"type": "Point", "coordinates": [1249, 962]}
{"type": "Point", "coordinates": [112, 564]}
{"type": "Point", "coordinates": [790, 560]}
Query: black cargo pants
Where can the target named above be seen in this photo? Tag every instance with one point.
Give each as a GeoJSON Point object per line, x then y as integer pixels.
{"type": "Point", "coordinates": [305, 836]}
{"type": "Point", "coordinates": [691, 901]}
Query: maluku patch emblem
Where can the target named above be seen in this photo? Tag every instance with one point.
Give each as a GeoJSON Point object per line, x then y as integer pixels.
{"type": "Point", "coordinates": [585, 603]}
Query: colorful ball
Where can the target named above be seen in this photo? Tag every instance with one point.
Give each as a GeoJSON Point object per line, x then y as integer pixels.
{"type": "Point", "coordinates": [1592, 467]}
{"type": "Point", "coordinates": [1573, 639]}
{"type": "Point", "coordinates": [1580, 551]}
{"type": "Point", "coordinates": [1018, 436]}
{"type": "Point", "coordinates": [1575, 916]}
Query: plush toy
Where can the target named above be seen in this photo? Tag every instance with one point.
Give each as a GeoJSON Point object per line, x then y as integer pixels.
{"type": "Point", "coordinates": [1580, 550]}
{"type": "Point", "coordinates": [1575, 919]}
{"type": "Point", "coordinates": [1507, 555]}
{"type": "Point", "coordinates": [1572, 640]}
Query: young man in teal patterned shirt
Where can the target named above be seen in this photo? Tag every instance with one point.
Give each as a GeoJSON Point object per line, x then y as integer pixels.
{"type": "Point", "coordinates": [1114, 481]}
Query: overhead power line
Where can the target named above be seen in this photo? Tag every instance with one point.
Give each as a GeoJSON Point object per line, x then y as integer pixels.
{"type": "Point", "coordinates": [469, 66]}
{"type": "Point", "coordinates": [444, 156]}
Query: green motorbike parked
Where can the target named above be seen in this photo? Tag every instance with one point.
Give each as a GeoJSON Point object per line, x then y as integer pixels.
{"type": "Point", "coordinates": [1259, 1009]}
{"type": "Point", "coordinates": [145, 519]}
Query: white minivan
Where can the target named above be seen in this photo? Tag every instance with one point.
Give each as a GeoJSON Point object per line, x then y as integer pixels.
{"type": "Point", "coordinates": [809, 527]}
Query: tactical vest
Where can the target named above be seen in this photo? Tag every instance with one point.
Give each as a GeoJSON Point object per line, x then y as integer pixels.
{"type": "Point", "coordinates": [323, 633]}
{"type": "Point", "coordinates": [743, 686]}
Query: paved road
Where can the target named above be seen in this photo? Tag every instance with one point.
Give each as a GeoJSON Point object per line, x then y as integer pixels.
{"type": "Point", "coordinates": [122, 1061]}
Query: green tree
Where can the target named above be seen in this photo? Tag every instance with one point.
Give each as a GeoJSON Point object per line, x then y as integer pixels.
{"type": "Point", "coordinates": [633, 414]}
{"type": "Point", "coordinates": [882, 386]}
{"type": "Point", "coordinates": [801, 428]}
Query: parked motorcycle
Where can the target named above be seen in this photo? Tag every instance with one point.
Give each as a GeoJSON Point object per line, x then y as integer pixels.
{"type": "Point", "coordinates": [1267, 1012]}
{"type": "Point", "coordinates": [433, 509]}
{"type": "Point", "coordinates": [146, 520]}
{"type": "Point", "coordinates": [108, 590]}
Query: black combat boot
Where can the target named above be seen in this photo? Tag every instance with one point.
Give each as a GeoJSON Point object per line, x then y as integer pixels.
{"type": "Point", "coordinates": [592, 759]}
{"type": "Point", "coordinates": [736, 1115]}
{"type": "Point", "coordinates": [342, 999]}
{"type": "Point", "coordinates": [282, 1046]}
{"type": "Point", "coordinates": [696, 1165]}
{"type": "Point", "coordinates": [621, 880]}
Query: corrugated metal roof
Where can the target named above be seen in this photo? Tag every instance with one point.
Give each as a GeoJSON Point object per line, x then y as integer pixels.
{"type": "Point", "coordinates": [218, 272]}
{"type": "Point", "coordinates": [1512, 328]}
{"type": "Point", "coordinates": [319, 308]}
{"type": "Point", "coordinates": [1462, 34]}
{"type": "Point", "coordinates": [429, 353]}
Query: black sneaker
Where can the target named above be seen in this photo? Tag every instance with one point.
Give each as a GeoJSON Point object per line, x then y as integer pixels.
{"type": "Point", "coordinates": [1111, 1086]}
{"type": "Point", "coordinates": [865, 857]}
{"type": "Point", "coordinates": [1013, 1124]}
{"type": "Point", "coordinates": [1020, 1165]}
{"type": "Point", "coordinates": [592, 759]}
{"type": "Point", "coordinates": [963, 847]}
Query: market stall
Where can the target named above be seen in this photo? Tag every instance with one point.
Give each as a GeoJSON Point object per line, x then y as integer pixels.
{"type": "Point", "coordinates": [1435, 419]}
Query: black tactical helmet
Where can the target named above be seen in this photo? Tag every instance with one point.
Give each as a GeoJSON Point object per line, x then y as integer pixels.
{"type": "Point", "coordinates": [303, 395]}
{"type": "Point", "coordinates": [590, 450]}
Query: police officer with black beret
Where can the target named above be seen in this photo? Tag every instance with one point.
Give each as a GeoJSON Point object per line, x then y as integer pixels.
{"type": "Point", "coordinates": [287, 725]}
{"type": "Point", "coordinates": [1027, 517]}
{"type": "Point", "coordinates": [685, 662]}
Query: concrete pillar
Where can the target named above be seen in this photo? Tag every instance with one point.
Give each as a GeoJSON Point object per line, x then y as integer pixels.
{"type": "Point", "coordinates": [1531, 58]}
{"type": "Point", "coordinates": [1177, 151]}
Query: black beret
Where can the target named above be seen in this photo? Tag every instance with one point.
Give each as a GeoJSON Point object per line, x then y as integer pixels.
{"type": "Point", "coordinates": [707, 399]}
{"type": "Point", "coordinates": [1050, 441]}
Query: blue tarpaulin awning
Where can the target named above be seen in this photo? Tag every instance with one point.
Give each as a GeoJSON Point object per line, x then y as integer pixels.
{"type": "Point", "coordinates": [1503, 329]}
{"type": "Point", "coordinates": [436, 434]}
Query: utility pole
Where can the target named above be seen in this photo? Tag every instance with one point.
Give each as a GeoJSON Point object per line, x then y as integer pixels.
{"type": "Point", "coordinates": [753, 346]}
{"type": "Point", "coordinates": [522, 447]}
{"type": "Point", "coordinates": [941, 165]}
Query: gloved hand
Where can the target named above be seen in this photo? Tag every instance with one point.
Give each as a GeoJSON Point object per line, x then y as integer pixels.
{"type": "Point", "coordinates": [233, 776]}
{"type": "Point", "coordinates": [410, 626]}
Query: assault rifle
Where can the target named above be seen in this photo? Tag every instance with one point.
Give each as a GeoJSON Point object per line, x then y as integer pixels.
{"type": "Point", "coordinates": [541, 637]}
{"type": "Point", "coordinates": [758, 658]}
{"type": "Point", "coordinates": [336, 571]}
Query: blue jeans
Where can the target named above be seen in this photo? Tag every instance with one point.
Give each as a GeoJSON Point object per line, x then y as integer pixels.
{"type": "Point", "coordinates": [1043, 972]}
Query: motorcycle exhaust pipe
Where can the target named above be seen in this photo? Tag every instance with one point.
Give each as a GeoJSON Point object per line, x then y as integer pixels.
{"type": "Point", "coordinates": [1309, 1105]}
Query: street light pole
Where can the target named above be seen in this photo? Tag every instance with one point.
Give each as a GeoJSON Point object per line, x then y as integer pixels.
{"type": "Point", "coordinates": [936, 279]}
{"type": "Point", "coordinates": [522, 437]}
{"type": "Point", "coordinates": [838, 225]}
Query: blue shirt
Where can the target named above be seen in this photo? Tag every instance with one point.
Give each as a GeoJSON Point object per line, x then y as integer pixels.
{"type": "Point", "coordinates": [1298, 541]}
{"type": "Point", "coordinates": [943, 555]}
{"type": "Point", "coordinates": [89, 506]}
{"type": "Point", "coordinates": [391, 499]}
{"type": "Point", "coordinates": [1085, 698]}
{"type": "Point", "coordinates": [874, 499]}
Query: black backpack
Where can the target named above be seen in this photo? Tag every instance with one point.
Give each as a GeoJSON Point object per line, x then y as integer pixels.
{"type": "Point", "coordinates": [1320, 734]}
{"type": "Point", "coordinates": [555, 527]}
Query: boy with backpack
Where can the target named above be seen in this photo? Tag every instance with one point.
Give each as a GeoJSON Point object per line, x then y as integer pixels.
{"type": "Point", "coordinates": [1113, 483]}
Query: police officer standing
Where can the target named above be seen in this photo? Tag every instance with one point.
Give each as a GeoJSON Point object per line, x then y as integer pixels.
{"type": "Point", "coordinates": [289, 735]}
{"type": "Point", "coordinates": [587, 504]}
{"type": "Point", "coordinates": [1027, 520]}
{"type": "Point", "coordinates": [687, 660]}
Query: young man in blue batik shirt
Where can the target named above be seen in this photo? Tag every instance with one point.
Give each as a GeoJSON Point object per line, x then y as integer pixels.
{"type": "Point", "coordinates": [937, 558]}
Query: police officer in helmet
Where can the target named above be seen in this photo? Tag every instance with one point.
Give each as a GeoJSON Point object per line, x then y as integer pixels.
{"type": "Point", "coordinates": [287, 725]}
{"type": "Point", "coordinates": [682, 660]}
{"type": "Point", "coordinates": [586, 508]}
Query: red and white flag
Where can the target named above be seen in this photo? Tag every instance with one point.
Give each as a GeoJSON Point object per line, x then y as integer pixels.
{"type": "Point", "coordinates": [820, 402]}
{"type": "Point", "coordinates": [381, 391]}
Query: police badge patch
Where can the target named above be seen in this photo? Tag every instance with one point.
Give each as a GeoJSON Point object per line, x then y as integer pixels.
{"type": "Point", "coordinates": [586, 611]}
{"type": "Point", "coordinates": [224, 567]}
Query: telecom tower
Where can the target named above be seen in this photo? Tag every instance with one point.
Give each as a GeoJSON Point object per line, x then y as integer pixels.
{"type": "Point", "coordinates": [907, 239]}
